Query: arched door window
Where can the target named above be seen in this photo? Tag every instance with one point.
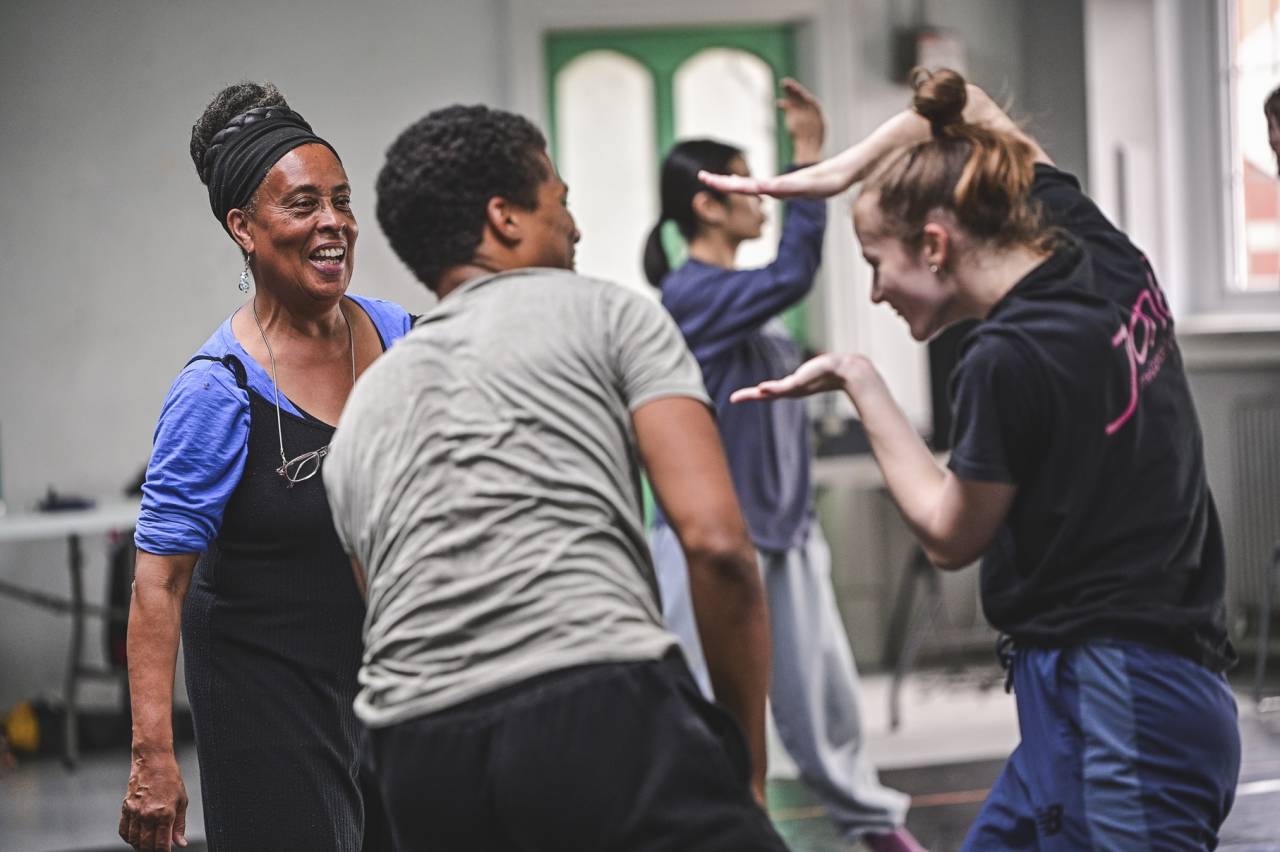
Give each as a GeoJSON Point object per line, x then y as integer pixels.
{"type": "Point", "coordinates": [728, 94]}
{"type": "Point", "coordinates": [604, 118]}
{"type": "Point", "coordinates": [609, 132]}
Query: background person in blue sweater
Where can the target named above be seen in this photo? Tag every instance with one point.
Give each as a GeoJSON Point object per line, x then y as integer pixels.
{"type": "Point", "coordinates": [729, 319]}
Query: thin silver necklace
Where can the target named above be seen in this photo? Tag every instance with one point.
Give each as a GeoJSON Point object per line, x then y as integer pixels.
{"type": "Point", "coordinates": [275, 384]}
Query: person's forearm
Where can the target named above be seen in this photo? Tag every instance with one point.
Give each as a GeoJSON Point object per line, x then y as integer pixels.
{"type": "Point", "coordinates": [837, 173]}
{"type": "Point", "coordinates": [806, 151]}
{"type": "Point", "coordinates": [858, 161]}
{"type": "Point", "coordinates": [982, 110]}
{"type": "Point", "coordinates": [911, 473]}
{"type": "Point", "coordinates": [733, 627]}
{"type": "Point", "coordinates": [681, 449]}
{"type": "Point", "coordinates": [155, 615]}
{"type": "Point", "coordinates": [841, 171]}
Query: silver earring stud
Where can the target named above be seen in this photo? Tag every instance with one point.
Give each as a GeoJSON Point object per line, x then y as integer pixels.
{"type": "Point", "coordinates": [244, 277]}
{"type": "Point", "coordinates": [933, 267]}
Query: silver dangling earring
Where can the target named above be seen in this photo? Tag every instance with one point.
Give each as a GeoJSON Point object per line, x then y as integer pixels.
{"type": "Point", "coordinates": [244, 276]}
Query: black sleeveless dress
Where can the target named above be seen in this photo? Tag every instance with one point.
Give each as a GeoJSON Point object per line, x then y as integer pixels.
{"type": "Point", "coordinates": [271, 629]}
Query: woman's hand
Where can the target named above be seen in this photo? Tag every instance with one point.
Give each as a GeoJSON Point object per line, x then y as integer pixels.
{"type": "Point", "coordinates": [155, 805]}
{"type": "Point", "coordinates": [804, 121]}
{"type": "Point", "coordinates": [834, 174]}
{"type": "Point", "coordinates": [841, 171]}
{"type": "Point", "coordinates": [154, 814]}
{"type": "Point", "coordinates": [827, 372]}
{"type": "Point", "coordinates": [981, 110]}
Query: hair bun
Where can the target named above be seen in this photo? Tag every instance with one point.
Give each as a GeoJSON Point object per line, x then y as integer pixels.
{"type": "Point", "coordinates": [226, 105]}
{"type": "Point", "coordinates": [940, 97]}
{"type": "Point", "coordinates": [236, 126]}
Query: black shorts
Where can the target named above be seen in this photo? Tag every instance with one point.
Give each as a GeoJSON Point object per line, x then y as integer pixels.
{"type": "Point", "coordinates": [619, 756]}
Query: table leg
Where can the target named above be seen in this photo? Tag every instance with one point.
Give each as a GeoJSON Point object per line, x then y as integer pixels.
{"type": "Point", "coordinates": [914, 629]}
{"type": "Point", "coordinates": [1270, 576]}
{"type": "Point", "coordinates": [70, 742]}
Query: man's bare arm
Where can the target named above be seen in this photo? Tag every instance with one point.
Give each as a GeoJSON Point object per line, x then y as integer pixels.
{"type": "Point", "coordinates": [681, 450]}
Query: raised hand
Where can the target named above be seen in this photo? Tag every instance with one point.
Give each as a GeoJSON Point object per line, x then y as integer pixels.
{"type": "Point", "coordinates": [820, 180]}
{"type": "Point", "coordinates": [804, 121]}
{"type": "Point", "coordinates": [808, 129]}
{"type": "Point", "coordinates": [837, 173]}
{"type": "Point", "coordinates": [834, 174]}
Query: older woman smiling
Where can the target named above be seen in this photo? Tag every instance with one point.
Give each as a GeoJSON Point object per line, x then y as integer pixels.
{"type": "Point", "coordinates": [236, 546]}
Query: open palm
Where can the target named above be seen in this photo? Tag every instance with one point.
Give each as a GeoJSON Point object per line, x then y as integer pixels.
{"type": "Point", "coordinates": [817, 375]}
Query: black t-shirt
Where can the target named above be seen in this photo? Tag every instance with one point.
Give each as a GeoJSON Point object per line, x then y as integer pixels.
{"type": "Point", "coordinates": [1072, 388]}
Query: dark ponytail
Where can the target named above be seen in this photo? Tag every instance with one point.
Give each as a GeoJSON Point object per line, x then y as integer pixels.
{"type": "Point", "coordinates": [679, 185]}
{"type": "Point", "coordinates": [656, 263]}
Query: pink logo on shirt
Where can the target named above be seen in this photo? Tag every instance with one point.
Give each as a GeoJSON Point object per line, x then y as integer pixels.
{"type": "Point", "coordinates": [1146, 347]}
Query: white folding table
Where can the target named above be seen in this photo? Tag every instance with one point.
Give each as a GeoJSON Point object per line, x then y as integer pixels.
{"type": "Point", "coordinates": [70, 524]}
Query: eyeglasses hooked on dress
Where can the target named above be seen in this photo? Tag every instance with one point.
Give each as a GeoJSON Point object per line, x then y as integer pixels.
{"type": "Point", "coordinates": [307, 465]}
{"type": "Point", "coordinates": [303, 467]}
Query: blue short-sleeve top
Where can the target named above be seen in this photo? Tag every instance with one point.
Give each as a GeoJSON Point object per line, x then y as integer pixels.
{"type": "Point", "coordinates": [201, 440]}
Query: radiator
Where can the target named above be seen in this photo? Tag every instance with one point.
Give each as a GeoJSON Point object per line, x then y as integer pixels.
{"type": "Point", "coordinates": [1255, 531]}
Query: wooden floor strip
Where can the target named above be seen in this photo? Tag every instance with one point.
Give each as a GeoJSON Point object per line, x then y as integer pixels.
{"type": "Point", "coordinates": [928, 800]}
{"type": "Point", "coordinates": [943, 800]}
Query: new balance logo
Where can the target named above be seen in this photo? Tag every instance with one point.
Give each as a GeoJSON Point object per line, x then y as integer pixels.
{"type": "Point", "coordinates": [1049, 820]}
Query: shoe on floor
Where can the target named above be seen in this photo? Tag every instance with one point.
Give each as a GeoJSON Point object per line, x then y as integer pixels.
{"type": "Point", "coordinates": [898, 840]}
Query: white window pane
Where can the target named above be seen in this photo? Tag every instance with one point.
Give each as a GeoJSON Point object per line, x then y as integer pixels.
{"type": "Point", "coordinates": [1255, 73]}
{"type": "Point", "coordinates": [728, 94]}
{"type": "Point", "coordinates": [1255, 57]}
{"type": "Point", "coordinates": [604, 118]}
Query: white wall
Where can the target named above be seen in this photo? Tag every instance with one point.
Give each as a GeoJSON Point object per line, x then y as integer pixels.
{"type": "Point", "coordinates": [114, 268]}
{"type": "Point", "coordinates": [1053, 102]}
{"type": "Point", "coordinates": [1124, 142]}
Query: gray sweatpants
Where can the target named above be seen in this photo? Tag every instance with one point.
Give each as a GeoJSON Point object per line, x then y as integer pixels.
{"type": "Point", "coordinates": [814, 686]}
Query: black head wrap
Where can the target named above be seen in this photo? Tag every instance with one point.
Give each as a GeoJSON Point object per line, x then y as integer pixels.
{"type": "Point", "coordinates": [240, 154]}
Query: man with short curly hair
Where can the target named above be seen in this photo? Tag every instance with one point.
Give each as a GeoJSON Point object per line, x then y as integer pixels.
{"type": "Point", "coordinates": [520, 687]}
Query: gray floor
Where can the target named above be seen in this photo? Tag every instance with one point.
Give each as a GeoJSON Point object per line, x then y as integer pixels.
{"type": "Point", "coordinates": [956, 728]}
{"type": "Point", "coordinates": [45, 807]}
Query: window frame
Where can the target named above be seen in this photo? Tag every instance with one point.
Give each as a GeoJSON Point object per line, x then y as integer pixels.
{"type": "Point", "coordinates": [1198, 150]}
{"type": "Point", "coordinates": [1232, 296]}
{"type": "Point", "coordinates": [1172, 53]}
